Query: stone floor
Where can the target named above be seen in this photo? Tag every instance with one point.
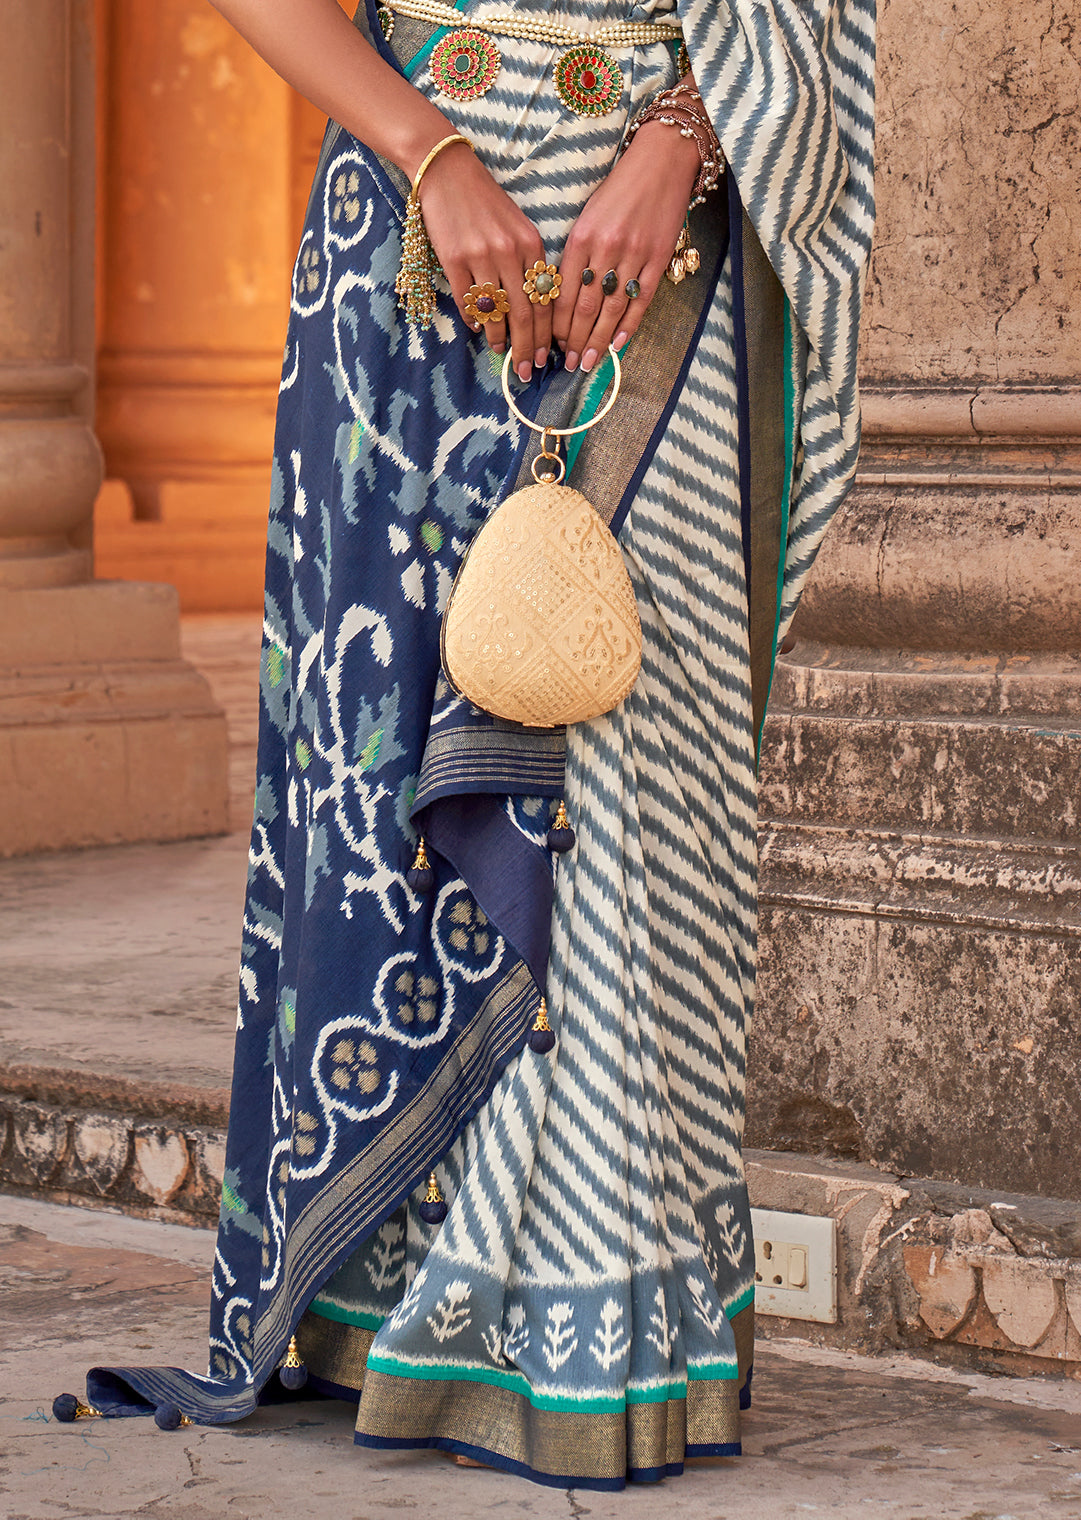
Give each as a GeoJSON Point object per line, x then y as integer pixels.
{"type": "Point", "coordinates": [830, 1433]}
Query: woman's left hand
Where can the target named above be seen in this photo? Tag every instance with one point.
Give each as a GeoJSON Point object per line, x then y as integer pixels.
{"type": "Point", "coordinates": [630, 224]}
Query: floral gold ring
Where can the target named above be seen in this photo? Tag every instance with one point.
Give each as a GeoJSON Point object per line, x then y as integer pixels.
{"type": "Point", "coordinates": [486, 303]}
{"type": "Point", "coordinates": [542, 283]}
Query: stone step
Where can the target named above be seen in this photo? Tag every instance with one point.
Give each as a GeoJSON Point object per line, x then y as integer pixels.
{"type": "Point", "coordinates": [990, 778]}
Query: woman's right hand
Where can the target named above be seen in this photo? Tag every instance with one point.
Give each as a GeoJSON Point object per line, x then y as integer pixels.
{"type": "Point", "coordinates": [479, 234]}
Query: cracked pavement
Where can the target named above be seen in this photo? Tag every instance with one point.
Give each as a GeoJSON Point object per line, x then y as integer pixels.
{"type": "Point", "coordinates": [831, 1433]}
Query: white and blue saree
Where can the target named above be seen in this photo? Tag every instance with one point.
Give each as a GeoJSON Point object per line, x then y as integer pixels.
{"type": "Point", "coordinates": [583, 1315]}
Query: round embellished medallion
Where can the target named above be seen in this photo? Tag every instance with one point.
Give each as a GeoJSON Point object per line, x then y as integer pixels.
{"type": "Point", "coordinates": [465, 65]}
{"type": "Point", "coordinates": [588, 81]}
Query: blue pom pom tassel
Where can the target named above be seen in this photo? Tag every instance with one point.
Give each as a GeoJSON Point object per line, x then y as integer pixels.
{"type": "Point", "coordinates": [420, 877]}
{"type": "Point", "coordinates": [561, 835]}
{"type": "Point", "coordinates": [168, 1417]}
{"type": "Point", "coordinates": [433, 1210]}
{"type": "Point", "coordinates": [292, 1373]}
{"type": "Point", "coordinates": [542, 1037]}
{"type": "Point", "coordinates": [65, 1408]}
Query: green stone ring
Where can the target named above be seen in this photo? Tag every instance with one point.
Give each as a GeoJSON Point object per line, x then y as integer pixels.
{"type": "Point", "coordinates": [542, 283]}
{"type": "Point", "coordinates": [610, 283]}
{"type": "Point", "coordinates": [633, 288]}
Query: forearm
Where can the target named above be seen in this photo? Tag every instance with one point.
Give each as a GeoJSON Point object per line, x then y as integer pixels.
{"type": "Point", "coordinates": [314, 46]}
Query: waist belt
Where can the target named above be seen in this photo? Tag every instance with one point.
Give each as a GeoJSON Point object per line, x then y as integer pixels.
{"type": "Point", "coordinates": [588, 80]}
{"type": "Point", "coordinates": [614, 34]}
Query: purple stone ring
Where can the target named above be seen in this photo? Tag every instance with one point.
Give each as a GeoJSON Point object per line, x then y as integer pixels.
{"type": "Point", "coordinates": [486, 303]}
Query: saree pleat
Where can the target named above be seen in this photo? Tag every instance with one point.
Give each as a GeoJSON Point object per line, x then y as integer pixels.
{"type": "Point", "coordinates": [584, 1314]}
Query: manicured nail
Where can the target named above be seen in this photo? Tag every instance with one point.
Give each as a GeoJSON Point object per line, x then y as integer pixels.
{"type": "Point", "coordinates": [572, 360]}
{"type": "Point", "coordinates": [525, 370]}
{"type": "Point", "coordinates": [540, 358]}
{"type": "Point", "coordinates": [590, 360]}
{"type": "Point", "coordinates": [620, 339]}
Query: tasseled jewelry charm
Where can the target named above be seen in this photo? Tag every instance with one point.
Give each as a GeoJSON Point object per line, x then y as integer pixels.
{"type": "Point", "coordinates": [292, 1372]}
{"type": "Point", "coordinates": [542, 1036]}
{"type": "Point", "coordinates": [66, 1407]}
{"type": "Point", "coordinates": [561, 835]}
{"type": "Point", "coordinates": [415, 284]}
{"type": "Point", "coordinates": [169, 1417]}
{"type": "Point", "coordinates": [420, 876]}
{"type": "Point", "coordinates": [433, 1210]}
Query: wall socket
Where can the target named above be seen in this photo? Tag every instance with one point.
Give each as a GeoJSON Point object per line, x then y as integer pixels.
{"type": "Point", "coordinates": [795, 1265]}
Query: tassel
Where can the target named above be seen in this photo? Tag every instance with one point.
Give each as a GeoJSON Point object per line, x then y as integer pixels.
{"type": "Point", "coordinates": [169, 1417]}
{"type": "Point", "coordinates": [541, 1036]}
{"type": "Point", "coordinates": [292, 1373]}
{"type": "Point", "coordinates": [420, 876]}
{"type": "Point", "coordinates": [416, 279]}
{"type": "Point", "coordinates": [434, 1209]}
{"type": "Point", "coordinates": [66, 1407]}
{"type": "Point", "coordinates": [561, 835]}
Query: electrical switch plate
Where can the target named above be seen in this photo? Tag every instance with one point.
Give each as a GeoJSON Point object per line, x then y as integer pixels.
{"type": "Point", "coordinates": [795, 1265]}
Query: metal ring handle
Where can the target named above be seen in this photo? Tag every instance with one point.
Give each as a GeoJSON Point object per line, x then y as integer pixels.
{"type": "Point", "coordinates": [582, 427]}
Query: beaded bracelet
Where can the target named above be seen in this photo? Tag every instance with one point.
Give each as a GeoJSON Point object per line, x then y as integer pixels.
{"type": "Point", "coordinates": [681, 106]}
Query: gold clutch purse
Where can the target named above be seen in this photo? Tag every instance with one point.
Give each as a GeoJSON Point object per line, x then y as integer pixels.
{"type": "Point", "coordinates": [542, 626]}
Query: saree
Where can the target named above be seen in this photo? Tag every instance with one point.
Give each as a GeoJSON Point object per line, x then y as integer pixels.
{"type": "Point", "coordinates": [583, 1314]}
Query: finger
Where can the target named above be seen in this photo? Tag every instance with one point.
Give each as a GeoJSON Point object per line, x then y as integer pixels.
{"type": "Point", "coordinates": [573, 262]}
{"type": "Point", "coordinates": [459, 279]}
{"type": "Point", "coordinates": [543, 313]}
{"type": "Point", "coordinates": [520, 317]}
{"type": "Point", "coordinates": [588, 304]}
{"type": "Point", "coordinates": [612, 312]}
{"type": "Point", "coordinates": [650, 281]}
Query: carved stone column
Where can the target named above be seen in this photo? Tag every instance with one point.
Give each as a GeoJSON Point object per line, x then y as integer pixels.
{"type": "Point", "coordinates": [197, 206]}
{"type": "Point", "coordinates": [105, 734]}
{"type": "Point", "coordinates": [921, 958]}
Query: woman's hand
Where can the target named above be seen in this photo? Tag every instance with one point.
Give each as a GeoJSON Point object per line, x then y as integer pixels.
{"type": "Point", "coordinates": [631, 223]}
{"type": "Point", "coordinates": [479, 234]}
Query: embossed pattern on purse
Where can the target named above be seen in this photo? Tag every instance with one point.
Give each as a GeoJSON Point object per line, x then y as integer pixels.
{"type": "Point", "coordinates": [542, 625]}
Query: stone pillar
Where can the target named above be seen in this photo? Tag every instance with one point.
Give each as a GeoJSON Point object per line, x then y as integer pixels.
{"type": "Point", "coordinates": [197, 206]}
{"type": "Point", "coordinates": [105, 734]}
{"type": "Point", "coordinates": [921, 975]}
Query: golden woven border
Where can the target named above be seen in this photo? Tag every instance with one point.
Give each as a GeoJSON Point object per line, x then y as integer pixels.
{"type": "Point", "coordinates": [575, 1443]}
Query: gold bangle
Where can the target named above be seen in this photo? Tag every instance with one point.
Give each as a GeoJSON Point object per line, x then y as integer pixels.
{"type": "Point", "coordinates": [419, 269]}
{"type": "Point", "coordinates": [426, 163]}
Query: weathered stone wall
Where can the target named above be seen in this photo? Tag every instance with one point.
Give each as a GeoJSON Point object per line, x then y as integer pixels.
{"type": "Point", "coordinates": [920, 996]}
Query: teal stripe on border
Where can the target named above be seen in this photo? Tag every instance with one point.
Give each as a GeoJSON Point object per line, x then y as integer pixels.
{"type": "Point", "coordinates": [514, 1382]}
{"type": "Point", "coordinates": [422, 55]}
{"type": "Point", "coordinates": [745, 1299]}
{"type": "Point", "coordinates": [326, 1310]}
{"type": "Point", "coordinates": [591, 402]}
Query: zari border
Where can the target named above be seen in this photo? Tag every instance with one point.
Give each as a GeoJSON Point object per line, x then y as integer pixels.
{"type": "Point", "coordinates": [566, 1448]}
{"type": "Point", "coordinates": [644, 1439]}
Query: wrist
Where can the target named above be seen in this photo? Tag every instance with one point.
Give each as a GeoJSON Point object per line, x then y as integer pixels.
{"type": "Point", "coordinates": [660, 143]}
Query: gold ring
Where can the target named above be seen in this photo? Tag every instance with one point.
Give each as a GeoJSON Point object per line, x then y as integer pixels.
{"type": "Point", "coordinates": [486, 303]}
{"type": "Point", "coordinates": [542, 283]}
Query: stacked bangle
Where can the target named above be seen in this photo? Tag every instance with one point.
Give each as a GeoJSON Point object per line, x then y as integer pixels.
{"type": "Point", "coordinates": [682, 107]}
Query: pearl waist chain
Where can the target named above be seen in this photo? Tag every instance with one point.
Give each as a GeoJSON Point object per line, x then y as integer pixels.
{"type": "Point", "coordinates": [613, 34]}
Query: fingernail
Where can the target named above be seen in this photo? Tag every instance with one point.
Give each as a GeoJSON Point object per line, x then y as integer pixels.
{"type": "Point", "coordinates": [498, 348]}
{"type": "Point", "coordinates": [572, 360]}
{"type": "Point", "coordinates": [540, 358]}
{"type": "Point", "coordinates": [620, 339]}
{"type": "Point", "coordinates": [525, 371]}
{"type": "Point", "coordinates": [590, 359]}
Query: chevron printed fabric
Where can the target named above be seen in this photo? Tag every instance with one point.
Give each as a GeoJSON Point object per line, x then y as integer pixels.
{"type": "Point", "coordinates": [583, 1315]}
